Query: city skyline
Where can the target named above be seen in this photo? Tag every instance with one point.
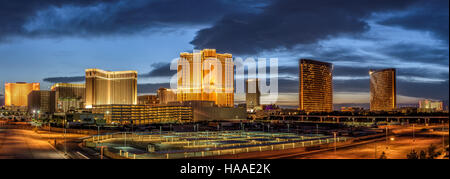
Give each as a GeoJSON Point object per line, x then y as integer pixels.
{"type": "Point", "coordinates": [376, 37]}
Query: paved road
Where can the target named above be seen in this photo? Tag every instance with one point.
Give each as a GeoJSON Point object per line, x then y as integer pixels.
{"type": "Point", "coordinates": [25, 144]}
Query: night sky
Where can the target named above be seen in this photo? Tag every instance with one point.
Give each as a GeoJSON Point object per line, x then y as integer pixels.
{"type": "Point", "coordinates": [51, 41]}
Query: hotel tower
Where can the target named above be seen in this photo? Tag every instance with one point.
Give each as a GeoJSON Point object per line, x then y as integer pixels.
{"type": "Point", "coordinates": [316, 88]}
{"type": "Point", "coordinates": [69, 96]}
{"type": "Point", "coordinates": [252, 94]}
{"type": "Point", "coordinates": [382, 90]}
{"type": "Point", "coordinates": [206, 76]}
{"type": "Point", "coordinates": [110, 87]}
{"type": "Point", "coordinates": [16, 94]}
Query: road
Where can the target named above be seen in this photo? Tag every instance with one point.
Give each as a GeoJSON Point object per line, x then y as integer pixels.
{"type": "Point", "coordinates": [397, 149]}
{"type": "Point", "coordinates": [25, 144]}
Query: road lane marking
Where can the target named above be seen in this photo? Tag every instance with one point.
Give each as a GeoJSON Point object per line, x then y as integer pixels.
{"type": "Point", "coordinates": [79, 153]}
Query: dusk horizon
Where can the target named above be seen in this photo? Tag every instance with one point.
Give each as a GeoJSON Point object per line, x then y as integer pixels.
{"type": "Point", "coordinates": [63, 39]}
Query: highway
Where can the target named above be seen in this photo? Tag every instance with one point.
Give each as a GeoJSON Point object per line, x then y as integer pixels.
{"type": "Point", "coordinates": [25, 144]}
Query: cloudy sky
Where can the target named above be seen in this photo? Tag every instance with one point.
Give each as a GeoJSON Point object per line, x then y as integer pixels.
{"type": "Point", "coordinates": [52, 41]}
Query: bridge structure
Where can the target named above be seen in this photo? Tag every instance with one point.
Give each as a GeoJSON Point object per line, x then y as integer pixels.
{"type": "Point", "coordinates": [363, 118]}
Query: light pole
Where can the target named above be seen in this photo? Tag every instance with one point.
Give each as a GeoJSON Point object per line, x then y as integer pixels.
{"type": "Point", "coordinates": [334, 133]}
{"type": "Point", "coordinates": [65, 131]}
{"type": "Point", "coordinates": [414, 137]}
{"type": "Point", "coordinates": [98, 133]}
{"type": "Point", "coordinates": [443, 136]}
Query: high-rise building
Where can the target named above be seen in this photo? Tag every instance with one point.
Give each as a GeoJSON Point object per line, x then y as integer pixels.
{"type": "Point", "coordinates": [206, 76]}
{"type": "Point", "coordinates": [316, 88]}
{"type": "Point", "coordinates": [148, 100]}
{"type": "Point", "coordinates": [252, 94]}
{"type": "Point", "coordinates": [42, 102]}
{"type": "Point", "coordinates": [383, 90]}
{"type": "Point", "coordinates": [69, 96]}
{"type": "Point", "coordinates": [166, 96]}
{"type": "Point", "coordinates": [110, 87]}
{"type": "Point", "coordinates": [427, 105]}
{"type": "Point", "coordinates": [16, 94]}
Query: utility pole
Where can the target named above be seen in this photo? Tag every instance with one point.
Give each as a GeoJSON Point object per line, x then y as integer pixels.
{"type": "Point", "coordinates": [65, 132]}
{"type": "Point", "coordinates": [443, 136]}
{"type": "Point", "coordinates": [334, 133]}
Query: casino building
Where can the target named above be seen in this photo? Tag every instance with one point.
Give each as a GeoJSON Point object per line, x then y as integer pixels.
{"type": "Point", "coordinates": [110, 87]}
{"type": "Point", "coordinates": [206, 76]}
{"type": "Point", "coordinates": [383, 90]}
{"type": "Point", "coordinates": [316, 88]}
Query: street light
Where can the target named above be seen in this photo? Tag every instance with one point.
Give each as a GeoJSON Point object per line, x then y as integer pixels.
{"type": "Point", "coordinates": [334, 133]}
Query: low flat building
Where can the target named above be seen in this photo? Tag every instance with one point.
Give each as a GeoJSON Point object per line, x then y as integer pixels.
{"type": "Point", "coordinates": [148, 100]}
{"type": "Point", "coordinates": [186, 112]}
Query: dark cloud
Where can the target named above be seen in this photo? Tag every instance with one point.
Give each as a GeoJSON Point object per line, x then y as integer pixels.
{"type": "Point", "coordinates": [104, 17]}
{"type": "Point", "coordinates": [418, 53]}
{"type": "Point", "coordinates": [64, 79]}
{"type": "Point", "coordinates": [424, 90]}
{"type": "Point", "coordinates": [358, 85]}
{"type": "Point", "coordinates": [429, 16]}
{"type": "Point", "coordinates": [285, 24]}
{"type": "Point", "coordinates": [151, 87]}
{"type": "Point", "coordinates": [160, 70]}
{"type": "Point", "coordinates": [14, 14]}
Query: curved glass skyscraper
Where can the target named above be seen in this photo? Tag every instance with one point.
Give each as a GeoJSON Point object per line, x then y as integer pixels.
{"type": "Point", "coordinates": [316, 88]}
{"type": "Point", "coordinates": [383, 90]}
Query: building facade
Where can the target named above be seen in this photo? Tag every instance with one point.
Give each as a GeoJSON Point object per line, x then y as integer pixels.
{"type": "Point", "coordinates": [383, 90]}
{"type": "Point", "coordinates": [316, 88]}
{"type": "Point", "coordinates": [69, 96]}
{"type": "Point", "coordinates": [148, 100]}
{"type": "Point", "coordinates": [41, 102]}
{"type": "Point", "coordinates": [16, 94]}
{"type": "Point", "coordinates": [166, 96]}
{"type": "Point", "coordinates": [110, 87]}
{"type": "Point", "coordinates": [186, 112]}
{"type": "Point", "coordinates": [206, 76]}
{"type": "Point", "coordinates": [144, 114]}
{"type": "Point", "coordinates": [252, 94]}
{"type": "Point", "coordinates": [427, 105]}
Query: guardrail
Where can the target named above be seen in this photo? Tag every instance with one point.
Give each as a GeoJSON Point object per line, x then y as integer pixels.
{"type": "Point", "coordinates": [95, 141]}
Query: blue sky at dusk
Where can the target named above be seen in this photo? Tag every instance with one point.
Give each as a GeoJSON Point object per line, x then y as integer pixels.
{"type": "Point", "coordinates": [53, 41]}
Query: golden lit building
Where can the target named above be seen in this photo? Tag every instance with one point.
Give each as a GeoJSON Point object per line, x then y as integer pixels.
{"type": "Point", "coordinates": [148, 100]}
{"type": "Point", "coordinates": [206, 76]}
{"type": "Point", "coordinates": [427, 105]}
{"type": "Point", "coordinates": [16, 94]}
{"type": "Point", "coordinates": [110, 87]}
{"type": "Point", "coordinates": [144, 114]}
{"type": "Point", "coordinates": [69, 96]}
{"type": "Point", "coordinates": [166, 96]}
{"type": "Point", "coordinates": [382, 90]}
{"type": "Point", "coordinates": [316, 88]}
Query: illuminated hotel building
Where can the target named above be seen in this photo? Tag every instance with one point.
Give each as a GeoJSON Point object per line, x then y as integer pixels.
{"type": "Point", "coordinates": [166, 96]}
{"type": "Point", "coordinates": [69, 96]}
{"type": "Point", "coordinates": [148, 100]}
{"type": "Point", "coordinates": [206, 76]}
{"type": "Point", "coordinates": [252, 94]}
{"type": "Point", "coordinates": [382, 90]}
{"type": "Point", "coordinates": [316, 88]}
{"type": "Point", "coordinates": [42, 102]}
{"type": "Point", "coordinates": [16, 94]}
{"type": "Point", "coordinates": [108, 87]}
{"type": "Point", "coordinates": [430, 106]}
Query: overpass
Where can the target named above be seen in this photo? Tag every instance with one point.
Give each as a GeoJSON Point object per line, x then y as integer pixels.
{"type": "Point", "coordinates": [361, 118]}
